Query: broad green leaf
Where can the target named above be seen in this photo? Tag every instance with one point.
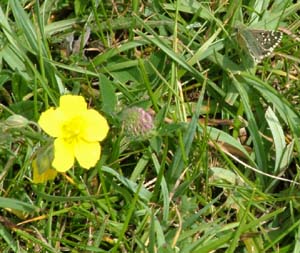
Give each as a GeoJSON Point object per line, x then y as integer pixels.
{"type": "Point", "coordinates": [108, 95]}
{"type": "Point", "coordinates": [17, 205]}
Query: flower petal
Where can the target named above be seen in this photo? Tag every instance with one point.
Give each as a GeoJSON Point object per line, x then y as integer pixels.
{"type": "Point", "coordinates": [42, 177]}
{"type": "Point", "coordinates": [96, 126]}
{"type": "Point", "coordinates": [63, 155]}
{"type": "Point", "coordinates": [87, 153]}
{"type": "Point", "coordinates": [72, 105]}
{"type": "Point", "coordinates": [51, 121]}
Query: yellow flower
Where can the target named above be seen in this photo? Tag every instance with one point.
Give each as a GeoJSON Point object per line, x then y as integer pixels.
{"type": "Point", "coordinates": [77, 130]}
{"type": "Point", "coordinates": [41, 164]}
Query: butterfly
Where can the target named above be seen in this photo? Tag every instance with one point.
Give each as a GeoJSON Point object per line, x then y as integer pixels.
{"type": "Point", "coordinates": [259, 43]}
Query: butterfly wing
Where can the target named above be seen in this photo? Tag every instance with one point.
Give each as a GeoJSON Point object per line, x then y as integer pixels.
{"type": "Point", "coordinates": [260, 43]}
{"type": "Point", "coordinates": [268, 40]}
{"type": "Point", "coordinates": [251, 44]}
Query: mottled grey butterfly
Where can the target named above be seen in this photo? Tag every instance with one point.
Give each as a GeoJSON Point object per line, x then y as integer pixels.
{"type": "Point", "coordinates": [259, 43]}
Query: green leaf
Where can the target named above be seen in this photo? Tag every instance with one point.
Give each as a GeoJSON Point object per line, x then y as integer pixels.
{"type": "Point", "coordinates": [143, 193]}
{"type": "Point", "coordinates": [278, 137]}
{"type": "Point", "coordinates": [108, 95]}
{"type": "Point", "coordinates": [7, 236]}
{"type": "Point", "coordinates": [17, 205]}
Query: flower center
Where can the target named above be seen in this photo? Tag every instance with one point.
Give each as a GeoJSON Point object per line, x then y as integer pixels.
{"type": "Point", "coordinates": [72, 129]}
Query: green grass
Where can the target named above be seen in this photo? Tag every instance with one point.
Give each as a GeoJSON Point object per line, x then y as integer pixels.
{"type": "Point", "coordinates": [220, 171]}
